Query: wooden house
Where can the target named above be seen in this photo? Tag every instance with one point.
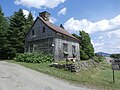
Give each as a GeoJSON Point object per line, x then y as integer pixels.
{"type": "Point", "coordinates": [46, 37]}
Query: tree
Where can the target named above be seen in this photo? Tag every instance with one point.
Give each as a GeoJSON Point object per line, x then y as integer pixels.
{"type": "Point", "coordinates": [3, 35]}
{"type": "Point", "coordinates": [77, 36]}
{"type": "Point", "coordinates": [62, 26]}
{"type": "Point", "coordinates": [29, 22]}
{"type": "Point", "coordinates": [115, 56]}
{"type": "Point", "coordinates": [86, 47]}
{"type": "Point", "coordinates": [16, 33]}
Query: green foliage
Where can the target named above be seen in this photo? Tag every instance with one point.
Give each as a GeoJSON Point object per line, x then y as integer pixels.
{"type": "Point", "coordinates": [115, 56]}
{"type": "Point", "coordinates": [29, 22]}
{"type": "Point", "coordinates": [83, 55]}
{"type": "Point", "coordinates": [16, 32]}
{"type": "Point", "coordinates": [87, 50]}
{"type": "Point", "coordinates": [33, 58]}
{"type": "Point", "coordinates": [98, 58]}
{"type": "Point", "coordinates": [3, 35]}
{"type": "Point", "coordinates": [86, 47]}
{"type": "Point", "coordinates": [18, 27]}
{"type": "Point", "coordinates": [77, 36]}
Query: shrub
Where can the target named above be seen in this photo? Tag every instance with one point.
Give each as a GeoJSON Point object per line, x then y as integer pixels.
{"type": "Point", "coordinates": [98, 59]}
{"type": "Point", "coordinates": [33, 57]}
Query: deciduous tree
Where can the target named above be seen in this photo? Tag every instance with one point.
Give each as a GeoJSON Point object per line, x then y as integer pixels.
{"type": "Point", "coordinates": [86, 47]}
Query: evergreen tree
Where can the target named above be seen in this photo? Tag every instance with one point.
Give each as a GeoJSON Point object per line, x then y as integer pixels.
{"type": "Point", "coordinates": [86, 47]}
{"type": "Point", "coordinates": [3, 35]}
{"type": "Point", "coordinates": [29, 22]}
{"type": "Point", "coordinates": [16, 33]}
{"type": "Point", "coordinates": [62, 26]}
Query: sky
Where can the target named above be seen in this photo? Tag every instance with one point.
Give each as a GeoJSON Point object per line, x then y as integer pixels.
{"type": "Point", "coordinates": [99, 18]}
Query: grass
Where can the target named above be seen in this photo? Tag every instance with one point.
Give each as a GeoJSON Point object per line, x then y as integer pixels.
{"type": "Point", "coordinates": [100, 77]}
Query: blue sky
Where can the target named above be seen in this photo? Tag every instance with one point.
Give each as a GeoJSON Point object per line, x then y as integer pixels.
{"type": "Point", "coordinates": [99, 18]}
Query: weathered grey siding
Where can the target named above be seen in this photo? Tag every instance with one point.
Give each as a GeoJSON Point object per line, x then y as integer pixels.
{"type": "Point", "coordinates": [40, 41]}
{"type": "Point", "coordinates": [49, 42]}
{"type": "Point", "coordinates": [38, 27]}
{"type": "Point", "coordinates": [59, 41]}
{"type": "Point", "coordinates": [43, 45]}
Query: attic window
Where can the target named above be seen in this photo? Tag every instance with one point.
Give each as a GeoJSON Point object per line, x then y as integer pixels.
{"type": "Point", "coordinates": [33, 33]}
{"type": "Point", "coordinates": [43, 30]}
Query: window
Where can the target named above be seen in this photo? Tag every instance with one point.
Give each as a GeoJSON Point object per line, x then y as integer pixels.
{"type": "Point", "coordinates": [65, 50]}
{"type": "Point", "coordinates": [65, 47]}
{"type": "Point", "coordinates": [33, 33]}
{"type": "Point", "coordinates": [73, 49]}
{"type": "Point", "coordinates": [31, 48]}
{"type": "Point", "coordinates": [43, 30]}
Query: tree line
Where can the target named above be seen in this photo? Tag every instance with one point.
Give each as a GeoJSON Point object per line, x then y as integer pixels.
{"type": "Point", "coordinates": [115, 56]}
{"type": "Point", "coordinates": [12, 32]}
{"type": "Point", "coordinates": [14, 28]}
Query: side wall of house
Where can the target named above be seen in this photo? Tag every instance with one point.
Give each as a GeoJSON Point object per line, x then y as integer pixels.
{"type": "Point", "coordinates": [59, 41]}
{"type": "Point", "coordinates": [38, 39]}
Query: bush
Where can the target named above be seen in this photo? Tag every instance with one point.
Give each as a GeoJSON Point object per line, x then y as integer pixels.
{"type": "Point", "coordinates": [33, 57]}
{"type": "Point", "coordinates": [98, 59]}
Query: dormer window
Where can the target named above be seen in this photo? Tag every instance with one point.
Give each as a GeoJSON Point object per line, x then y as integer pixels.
{"type": "Point", "coordinates": [43, 31]}
{"type": "Point", "coordinates": [33, 33]}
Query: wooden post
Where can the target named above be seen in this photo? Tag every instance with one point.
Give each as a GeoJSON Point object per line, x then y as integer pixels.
{"type": "Point", "coordinates": [113, 77]}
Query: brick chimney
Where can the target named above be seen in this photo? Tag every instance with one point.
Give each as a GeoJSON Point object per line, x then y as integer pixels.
{"type": "Point", "coordinates": [45, 15]}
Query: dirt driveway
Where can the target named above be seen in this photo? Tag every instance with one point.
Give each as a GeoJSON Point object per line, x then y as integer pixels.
{"type": "Point", "coordinates": [17, 77]}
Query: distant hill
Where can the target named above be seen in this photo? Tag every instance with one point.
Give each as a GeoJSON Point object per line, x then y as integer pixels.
{"type": "Point", "coordinates": [103, 54]}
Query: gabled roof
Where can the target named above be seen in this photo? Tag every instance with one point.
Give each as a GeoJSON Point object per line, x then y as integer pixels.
{"type": "Point", "coordinates": [57, 28]}
{"type": "Point", "coordinates": [54, 27]}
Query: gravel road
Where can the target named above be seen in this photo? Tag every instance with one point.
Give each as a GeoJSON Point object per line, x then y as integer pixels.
{"type": "Point", "coordinates": [17, 77]}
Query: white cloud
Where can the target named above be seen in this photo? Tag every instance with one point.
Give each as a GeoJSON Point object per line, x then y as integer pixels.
{"type": "Point", "coordinates": [99, 49]}
{"type": "Point", "coordinates": [98, 44]}
{"type": "Point", "coordinates": [39, 3]}
{"type": "Point", "coordinates": [105, 33]}
{"type": "Point", "coordinates": [91, 27]}
{"type": "Point", "coordinates": [52, 20]}
{"type": "Point", "coordinates": [100, 37]}
{"type": "Point", "coordinates": [118, 47]}
{"type": "Point", "coordinates": [115, 33]}
{"type": "Point", "coordinates": [26, 13]}
{"type": "Point", "coordinates": [62, 11]}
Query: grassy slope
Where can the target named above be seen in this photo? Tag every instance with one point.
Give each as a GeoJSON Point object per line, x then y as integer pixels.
{"type": "Point", "coordinates": [97, 77]}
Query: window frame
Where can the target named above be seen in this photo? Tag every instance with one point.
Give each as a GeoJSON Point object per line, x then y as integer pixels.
{"type": "Point", "coordinates": [65, 47]}
{"type": "Point", "coordinates": [31, 48]}
{"type": "Point", "coordinates": [73, 48]}
{"type": "Point", "coordinates": [33, 32]}
{"type": "Point", "coordinates": [43, 30]}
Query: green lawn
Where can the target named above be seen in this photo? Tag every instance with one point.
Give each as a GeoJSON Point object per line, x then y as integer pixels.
{"type": "Point", "coordinates": [100, 77]}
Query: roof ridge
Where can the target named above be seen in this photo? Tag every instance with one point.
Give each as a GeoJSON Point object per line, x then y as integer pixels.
{"type": "Point", "coordinates": [57, 28]}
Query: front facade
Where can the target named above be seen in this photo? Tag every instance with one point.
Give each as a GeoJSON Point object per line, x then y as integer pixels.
{"type": "Point", "coordinates": [48, 38]}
